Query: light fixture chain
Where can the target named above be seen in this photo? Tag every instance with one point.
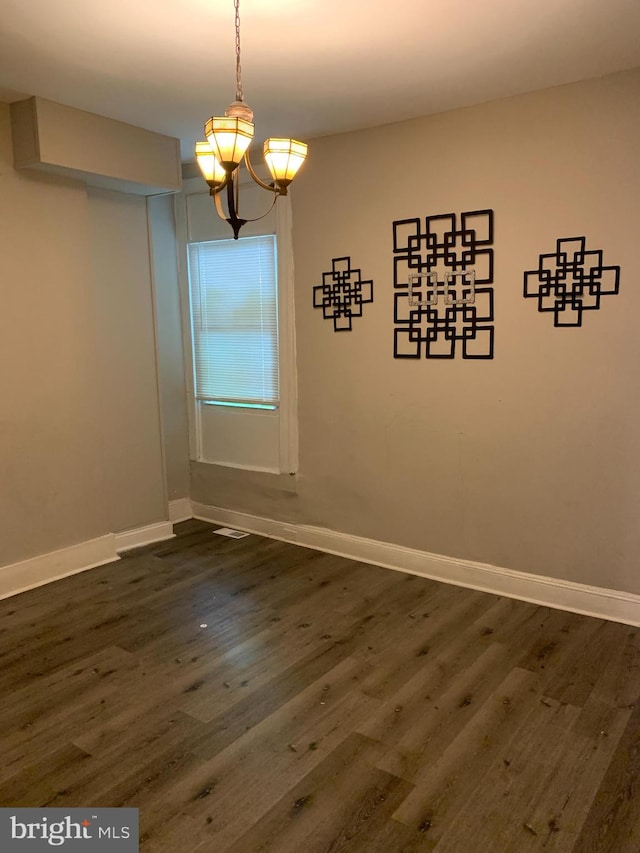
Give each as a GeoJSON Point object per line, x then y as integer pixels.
{"type": "Point", "coordinates": [239, 91]}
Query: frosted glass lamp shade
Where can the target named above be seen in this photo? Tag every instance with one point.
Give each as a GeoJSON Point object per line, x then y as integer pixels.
{"type": "Point", "coordinates": [284, 157]}
{"type": "Point", "coordinates": [229, 137]}
{"type": "Point", "coordinates": [213, 173]}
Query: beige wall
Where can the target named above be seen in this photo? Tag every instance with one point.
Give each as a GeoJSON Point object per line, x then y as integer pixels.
{"type": "Point", "coordinates": [128, 384]}
{"type": "Point", "coordinates": [51, 491]}
{"type": "Point", "coordinates": [98, 150]}
{"type": "Point", "coordinates": [80, 449]}
{"type": "Point", "coordinates": [171, 369]}
{"type": "Point", "coordinates": [530, 461]}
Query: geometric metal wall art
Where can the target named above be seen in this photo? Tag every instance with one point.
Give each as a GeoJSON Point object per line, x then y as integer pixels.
{"type": "Point", "coordinates": [442, 278]}
{"type": "Point", "coordinates": [342, 294]}
{"type": "Point", "coordinates": [571, 280]}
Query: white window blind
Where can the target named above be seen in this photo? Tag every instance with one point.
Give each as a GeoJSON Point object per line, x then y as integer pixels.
{"type": "Point", "coordinates": [234, 316]}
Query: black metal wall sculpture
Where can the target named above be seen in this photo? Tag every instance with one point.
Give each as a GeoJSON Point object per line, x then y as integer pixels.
{"type": "Point", "coordinates": [443, 277]}
{"type": "Point", "coordinates": [570, 281]}
{"type": "Point", "coordinates": [342, 294]}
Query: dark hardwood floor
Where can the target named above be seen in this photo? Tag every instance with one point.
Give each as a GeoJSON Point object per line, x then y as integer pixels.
{"type": "Point", "coordinates": [250, 695]}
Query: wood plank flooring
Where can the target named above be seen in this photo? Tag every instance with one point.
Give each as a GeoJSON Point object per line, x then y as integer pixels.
{"type": "Point", "coordinates": [250, 695]}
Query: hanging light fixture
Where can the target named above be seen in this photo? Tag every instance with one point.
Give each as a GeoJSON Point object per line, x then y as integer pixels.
{"type": "Point", "coordinates": [227, 146]}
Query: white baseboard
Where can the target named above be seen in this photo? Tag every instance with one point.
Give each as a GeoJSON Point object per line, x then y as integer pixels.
{"type": "Point", "coordinates": [27, 574]}
{"type": "Point", "coordinates": [603, 603]}
{"type": "Point", "coordinates": [180, 510]}
{"type": "Point", "coordinates": [145, 535]}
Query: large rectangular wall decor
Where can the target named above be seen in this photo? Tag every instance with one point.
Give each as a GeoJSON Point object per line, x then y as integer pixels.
{"type": "Point", "coordinates": [443, 277]}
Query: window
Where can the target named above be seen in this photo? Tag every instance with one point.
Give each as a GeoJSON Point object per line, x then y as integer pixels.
{"type": "Point", "coordinates": [234, 322]}
{"type": "Point", "coordinates": [239, 332]}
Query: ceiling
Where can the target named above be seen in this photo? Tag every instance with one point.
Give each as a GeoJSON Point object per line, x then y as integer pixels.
{"type": "Point", "coordinates": [310, 67]}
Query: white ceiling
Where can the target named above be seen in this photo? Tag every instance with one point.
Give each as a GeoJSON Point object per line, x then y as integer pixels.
{"type": "Point", "coordinates": [310, 67]}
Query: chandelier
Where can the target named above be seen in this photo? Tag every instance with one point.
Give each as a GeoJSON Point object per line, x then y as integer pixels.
{"type": "Point", "coordinates": [227, 146]}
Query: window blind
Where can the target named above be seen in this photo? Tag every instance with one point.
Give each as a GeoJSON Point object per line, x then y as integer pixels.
{"type": "Point", "coordinates": [234, 319]}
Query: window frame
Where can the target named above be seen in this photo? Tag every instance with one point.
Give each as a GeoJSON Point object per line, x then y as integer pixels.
{"type": "Point", "coordinates": [287, 410]}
